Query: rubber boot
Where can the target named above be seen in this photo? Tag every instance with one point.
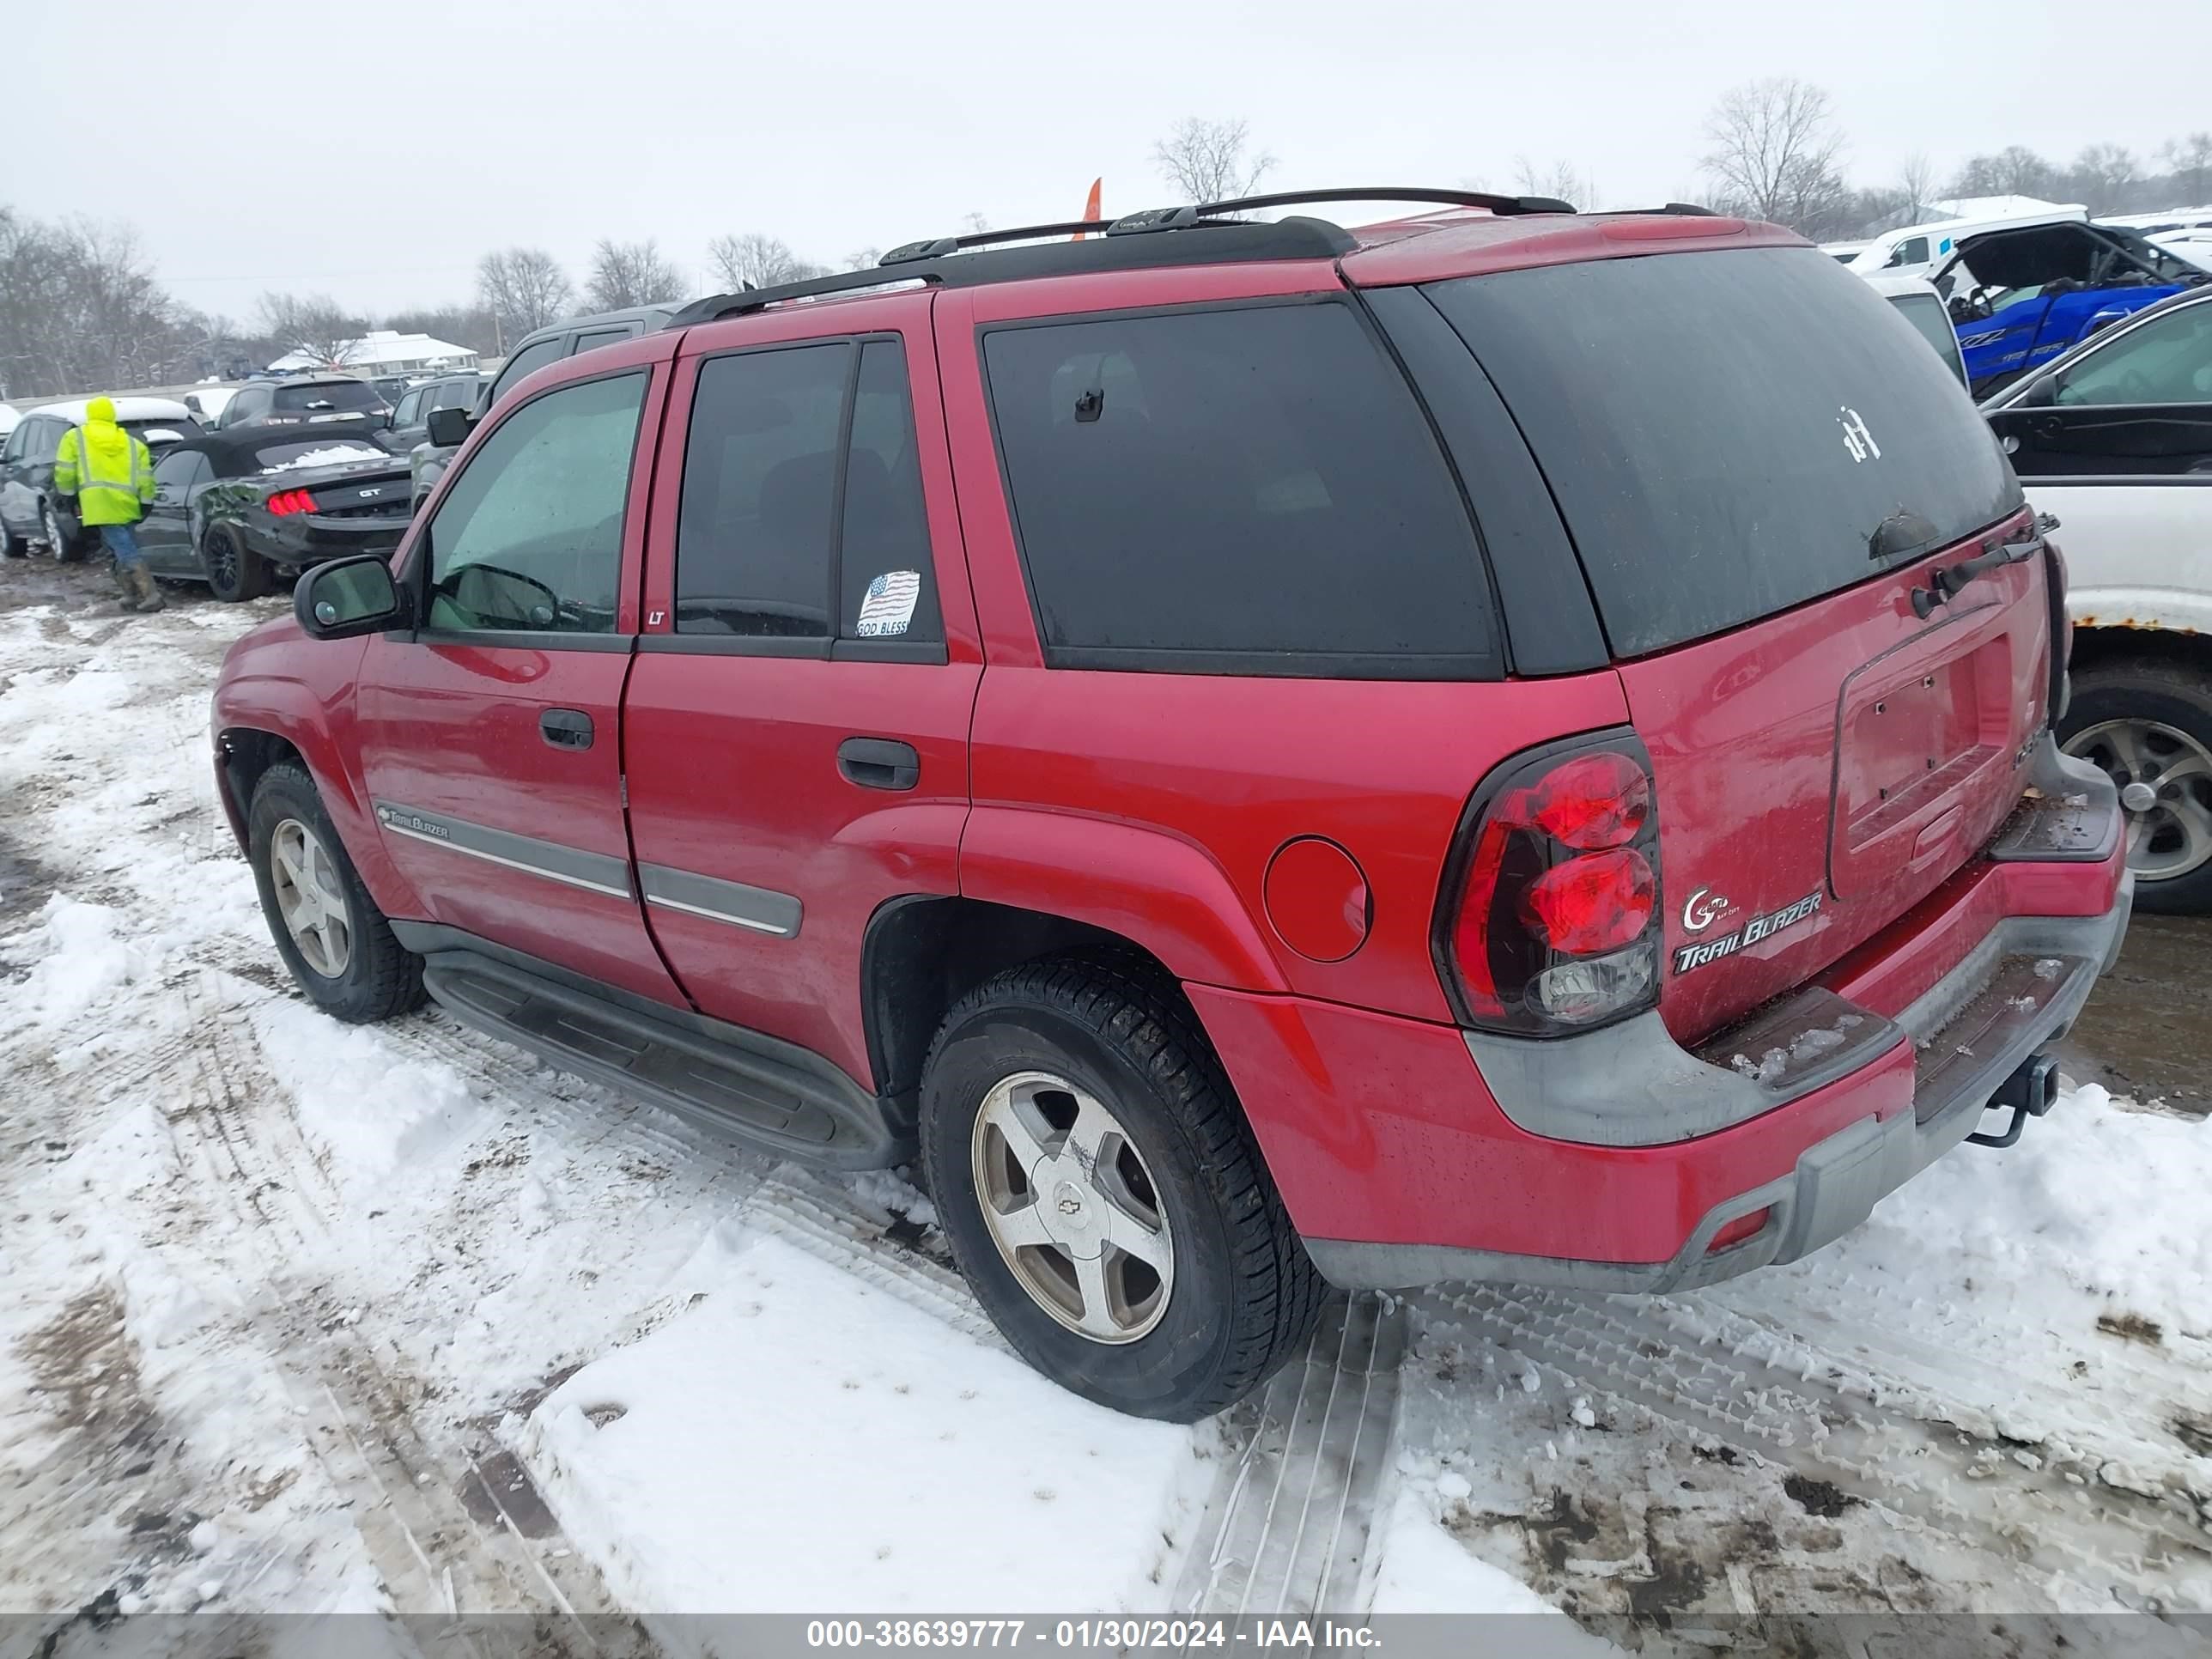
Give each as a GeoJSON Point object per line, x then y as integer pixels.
{"type": "Point", "coordinates": [141, 585]}
{"type": "Point", "coordinates": [127, 601]}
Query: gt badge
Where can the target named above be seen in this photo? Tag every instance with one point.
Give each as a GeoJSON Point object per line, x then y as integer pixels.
{"type": "Point", "coordinates": [1688, 956]}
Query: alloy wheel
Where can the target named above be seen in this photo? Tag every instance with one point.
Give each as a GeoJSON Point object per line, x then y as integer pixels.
{"type": "Point", "coordinates": [1072, 1209]}
{"type": "Point", "coordinates": [2165, 777]}
{"type": "Point", "coordinates": [311, 898]}
{"type": "Point", "coordinates": [51, 521]}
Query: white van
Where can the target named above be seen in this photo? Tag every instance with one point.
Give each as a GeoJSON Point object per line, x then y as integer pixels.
{"type": "Point", "coordinates": [1917, 250]}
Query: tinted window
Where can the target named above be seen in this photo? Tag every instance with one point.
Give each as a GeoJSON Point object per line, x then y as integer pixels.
{"type": "Point", "coordinates": [180, 469]}
{"type": "Point", "coordinates": [2167, 359]}
{"type": "Point", "coordinates": [1251, 489]}
{"type": "Point", "coordinates": [530, 536]}
{"type": "Point", "coordinates": [331, 397]}
{"type": "Point", "coordinates": [886, 588]}
{"type": "Point", "coordinates": [1933, 324]}
{"type": "Point", "coordinates": [758, 515]}
{"type": "Point", "coordinates": [452, 394]}
{"type": "Point", "coordinates": [528, 361]}
{"type": "Point", "coordinates": [599, 336]}
{"type": "Point", "coordinates": [409, 406]}
{"type": "Point", "coordinates": [1727, 432]}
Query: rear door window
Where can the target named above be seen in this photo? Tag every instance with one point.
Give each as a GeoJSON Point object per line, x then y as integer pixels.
{"type": "Point", "coordinates": [1248, 490]}
{"type": "Point", "coordinates": [1933, 324]}
{"type": "Point", "coordinates": [1728, 434]}
{"type": "Point", "coordinates": [528, 361]}
{"type": "Point", "coordinates": [597, 337]}
{"type": "Point", "coordinates": [2167, 359]}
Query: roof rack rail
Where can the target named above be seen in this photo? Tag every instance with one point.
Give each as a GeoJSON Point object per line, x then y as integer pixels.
{"type": "Point", "coordinates": [1127, 243]}
{"type": "Point", "coordinates": [1687, 209]}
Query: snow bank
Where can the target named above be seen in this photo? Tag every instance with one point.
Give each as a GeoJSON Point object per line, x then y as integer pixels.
{"type": "Point", "coordinates": [371, 1109]}
{"type": "Point", "coordinates": [2111, 1198]}
{"type": "Point", "coordinates": [799, 1442]}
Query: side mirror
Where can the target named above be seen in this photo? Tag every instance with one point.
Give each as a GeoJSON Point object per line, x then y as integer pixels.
{"type": "Point", "coordinates": [449, 427]}
{"type": "Point", "coordinates": [348, 597]}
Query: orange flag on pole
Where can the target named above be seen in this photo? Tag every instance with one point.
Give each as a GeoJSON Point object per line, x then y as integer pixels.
{"type": "Point", "coordinates": [1091, 207]}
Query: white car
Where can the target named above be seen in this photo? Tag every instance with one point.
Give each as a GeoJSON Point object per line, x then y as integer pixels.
{"type": "Point", "coordinates": [1917, 250]}
{"type": "Point", "coordinates": [2115, 438]}
{"type": "Point", "coordinates": [207, 401]}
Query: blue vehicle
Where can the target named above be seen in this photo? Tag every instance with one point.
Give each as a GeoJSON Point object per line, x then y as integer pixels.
{"type": "Point", "coordinates": [2020, 297]}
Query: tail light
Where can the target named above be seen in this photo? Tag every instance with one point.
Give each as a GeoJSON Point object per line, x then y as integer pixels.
{"type": "Point", "coordinates": [286, 503]}
{"type": "Point", "coordinates": [1550, 919]}
{"type": "Point", "coordinates": [2062, 625]}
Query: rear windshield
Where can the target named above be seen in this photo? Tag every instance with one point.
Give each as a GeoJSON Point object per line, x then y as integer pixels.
{"type": "Point", "coordinates": [340, 397]}
{"type": "Point", "coordinates": [1730, 434]}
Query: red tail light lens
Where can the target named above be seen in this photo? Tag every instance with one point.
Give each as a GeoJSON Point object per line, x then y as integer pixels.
{"type": "Point", "coordinates": [1550, 913]}
{"type": "Point", "coordinates": [285, 502]}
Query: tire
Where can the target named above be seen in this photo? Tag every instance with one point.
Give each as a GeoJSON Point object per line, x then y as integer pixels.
{"type": "Point", "coordinates": [1240, 1294]}
{"type": "Point", "coordinates": [13, 546]}
{"type": "Point", "coordinates": [376, 978]}
{"type": "Point", "coordinates": [235, 572]}
{"type": "Point", "coordinates": [2156, 715]}
{"type": "Point", "coordinates": [59, 547]}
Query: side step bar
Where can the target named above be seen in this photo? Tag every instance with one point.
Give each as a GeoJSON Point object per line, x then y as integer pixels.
{"type": "Point", "coordinates": [720, 1077]}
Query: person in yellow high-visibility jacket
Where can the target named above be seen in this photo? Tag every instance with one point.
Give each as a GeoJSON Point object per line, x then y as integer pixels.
{"type": "Point", "coordinates": [111, 473]}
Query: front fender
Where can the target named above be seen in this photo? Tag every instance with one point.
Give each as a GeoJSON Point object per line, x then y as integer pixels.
{"type": "Point", "coordinates": [277, 682]}
{"type": "Point", "coordinates": [1161, 892]}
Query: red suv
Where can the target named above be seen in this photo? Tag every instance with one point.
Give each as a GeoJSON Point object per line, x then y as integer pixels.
{"type": "Point", "coordinates": [1506, 745]}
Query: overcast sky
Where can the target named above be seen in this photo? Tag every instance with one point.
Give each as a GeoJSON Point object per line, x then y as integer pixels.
{"type": "Point", "coordinates": [374, 151]}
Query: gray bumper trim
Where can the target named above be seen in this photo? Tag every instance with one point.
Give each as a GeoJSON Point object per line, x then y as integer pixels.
{"type": "Point", "coordinates": [1971, 1035]}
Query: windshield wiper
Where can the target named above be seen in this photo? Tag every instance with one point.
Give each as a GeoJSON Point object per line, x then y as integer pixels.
{"type": "Point", "coordinates": [1949, 582]}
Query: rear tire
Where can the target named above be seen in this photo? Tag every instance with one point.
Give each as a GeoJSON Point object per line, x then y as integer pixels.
{"type": "Point", "coordinates": [235, 572]}
{"type": "Point", "coordinates": [13, 546]}
{"type": "Point", "coordinates": [363, 974]}
{"type": "Point", "coordinates": [1103, 1042]}
{"type": "Point", "coordinates": [2150, 720]}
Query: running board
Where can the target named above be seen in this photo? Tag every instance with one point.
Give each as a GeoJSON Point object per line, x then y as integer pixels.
{"type": "Point", "coordinates": [712, 1075]}
{"type": "Point", "coordinates": [1290, 1528]}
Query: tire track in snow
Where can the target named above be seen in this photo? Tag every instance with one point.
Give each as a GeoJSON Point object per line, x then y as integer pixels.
{"type": "Point", "coordinates": [1838, 1425]}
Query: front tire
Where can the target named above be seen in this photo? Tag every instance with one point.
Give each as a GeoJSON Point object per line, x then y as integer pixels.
{"type": "Point", "coordinates": [1135, 1248]}
{"type": "Point", "coordinates": [235, 572]}
{"type": "Point", "coordinates": [59, 547]}
{"type": "Point", "coordinates": [2149, 722]}
{"type": "Point", "coordinates": [337, 943]}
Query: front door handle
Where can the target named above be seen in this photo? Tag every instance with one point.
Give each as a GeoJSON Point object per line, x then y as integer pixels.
{"type": "Point", "coordinates": [566, 728]}
{"type": "Point", "coordinates": [879, 762]}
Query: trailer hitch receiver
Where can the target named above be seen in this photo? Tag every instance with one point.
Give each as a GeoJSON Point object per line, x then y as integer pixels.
{"type": "Point", "coordinates": [2028, 1093]}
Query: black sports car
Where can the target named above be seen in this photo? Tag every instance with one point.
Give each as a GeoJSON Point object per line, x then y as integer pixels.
{"type": "Point", "coordinates": [232, 509]}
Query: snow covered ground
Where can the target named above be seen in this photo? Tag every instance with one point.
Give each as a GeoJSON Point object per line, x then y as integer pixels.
{"type": "Point", "coordinates": [298, 1317]}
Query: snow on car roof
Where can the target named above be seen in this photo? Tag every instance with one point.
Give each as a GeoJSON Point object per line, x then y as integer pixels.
{"type": "Point", "coordinates": [126, 409]}
{"type": "Point", "coordinates": [329, 455]}
{"type": "Point", "coordinates": [7, 418]}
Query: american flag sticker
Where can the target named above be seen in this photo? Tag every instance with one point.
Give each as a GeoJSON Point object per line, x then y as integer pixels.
{"type": "Point", "coordinates": [889, 606]}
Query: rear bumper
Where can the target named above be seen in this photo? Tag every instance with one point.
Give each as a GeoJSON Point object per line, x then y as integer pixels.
{"type": "Point", "coordinates": [1833, 1183]}
{"type": "Point", "coordinates": [1400, 1166]}
{"type": "Point", "coordinates": [305, 538]}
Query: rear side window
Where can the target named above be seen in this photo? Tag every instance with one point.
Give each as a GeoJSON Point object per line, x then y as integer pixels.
{"type": "Point", "coordinates": [1729, 434]}
{"type": "Point", "coordinates": [528, 361]}
{"type": "Point", "coordinates": [1250, 490]}
{"type": "Point", "coordinates": [801, 517]}
{"type": "Point", "coordinates": [597, 337]}
{"type": "Point", "coordinates": [336, 398]}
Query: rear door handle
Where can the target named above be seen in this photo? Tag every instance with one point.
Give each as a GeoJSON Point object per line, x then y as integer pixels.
{"type": "Point", "coordinates": [879, 762]}
{"type": "Point", "coordinates": [566, 728]}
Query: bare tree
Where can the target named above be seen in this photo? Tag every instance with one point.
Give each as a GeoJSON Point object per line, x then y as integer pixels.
{"type": "Point", "coordinates": [973, 224]}
{"type": "Point", "coordinates": [2189, 160]}
{"type": "Point", "coordinates": [861, 258]}
{"type": "Point", "coordinates": [2102, 175]}
{"type": "Point", "coordinates": [2014, 170]}
{"type": "Point", "coordinates": [1775, 154]}
{"type": "Point", "coordinates": [525, 287]}
{"type": "Point", "coordinates": [628, 274]}
{"type": "Point", "coordinates": [1916, 180]}
{"type": "Point", "coordinates": [313, 324]}
{"type": "Point", "coordinates": [756, 260]}
{"type": "Point", "coordinates": [1560, 181]}
{"type": "Point", "coordinates": [1208, 161]}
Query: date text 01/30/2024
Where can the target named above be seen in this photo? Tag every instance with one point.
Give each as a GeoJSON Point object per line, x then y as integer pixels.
{"type": "Point", "coordinates": [1107, 1634]}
